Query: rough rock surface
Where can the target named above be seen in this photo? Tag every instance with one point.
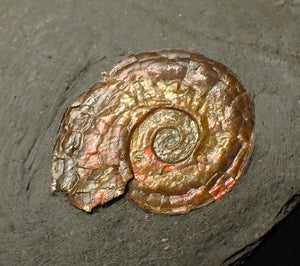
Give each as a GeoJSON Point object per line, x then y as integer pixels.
{"type": "Point", "coordinates": [51, 52]}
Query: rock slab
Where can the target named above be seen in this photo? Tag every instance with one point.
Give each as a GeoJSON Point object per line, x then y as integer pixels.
{"type": "Point", "coordinates": [51, 52]}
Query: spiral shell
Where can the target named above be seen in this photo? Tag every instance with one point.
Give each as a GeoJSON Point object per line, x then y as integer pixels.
{"type": "Point", "coordinates": [175, 126]}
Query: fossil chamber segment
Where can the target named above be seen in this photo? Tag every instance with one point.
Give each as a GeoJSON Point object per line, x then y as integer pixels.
{"type": "Point", "coordinates": [173, 128]}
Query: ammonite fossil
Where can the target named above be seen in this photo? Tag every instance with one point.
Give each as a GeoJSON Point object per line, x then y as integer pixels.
{"type": "Point", "coordinates": [173, 129]}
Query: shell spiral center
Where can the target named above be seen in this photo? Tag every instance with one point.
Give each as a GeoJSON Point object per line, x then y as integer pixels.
{"type": "Point", "coordinates": [170, 134]}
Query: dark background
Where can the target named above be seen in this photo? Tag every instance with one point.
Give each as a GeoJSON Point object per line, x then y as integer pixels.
{"type": "Point", "coordinates": [280, 246]}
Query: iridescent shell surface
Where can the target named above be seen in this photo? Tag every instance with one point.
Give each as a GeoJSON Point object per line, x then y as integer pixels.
{"type": "Point", "coordinates": [173, 127]}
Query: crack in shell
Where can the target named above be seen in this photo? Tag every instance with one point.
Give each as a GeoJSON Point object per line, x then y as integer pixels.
{"type": "Point", "coordinates": [173, 126]}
